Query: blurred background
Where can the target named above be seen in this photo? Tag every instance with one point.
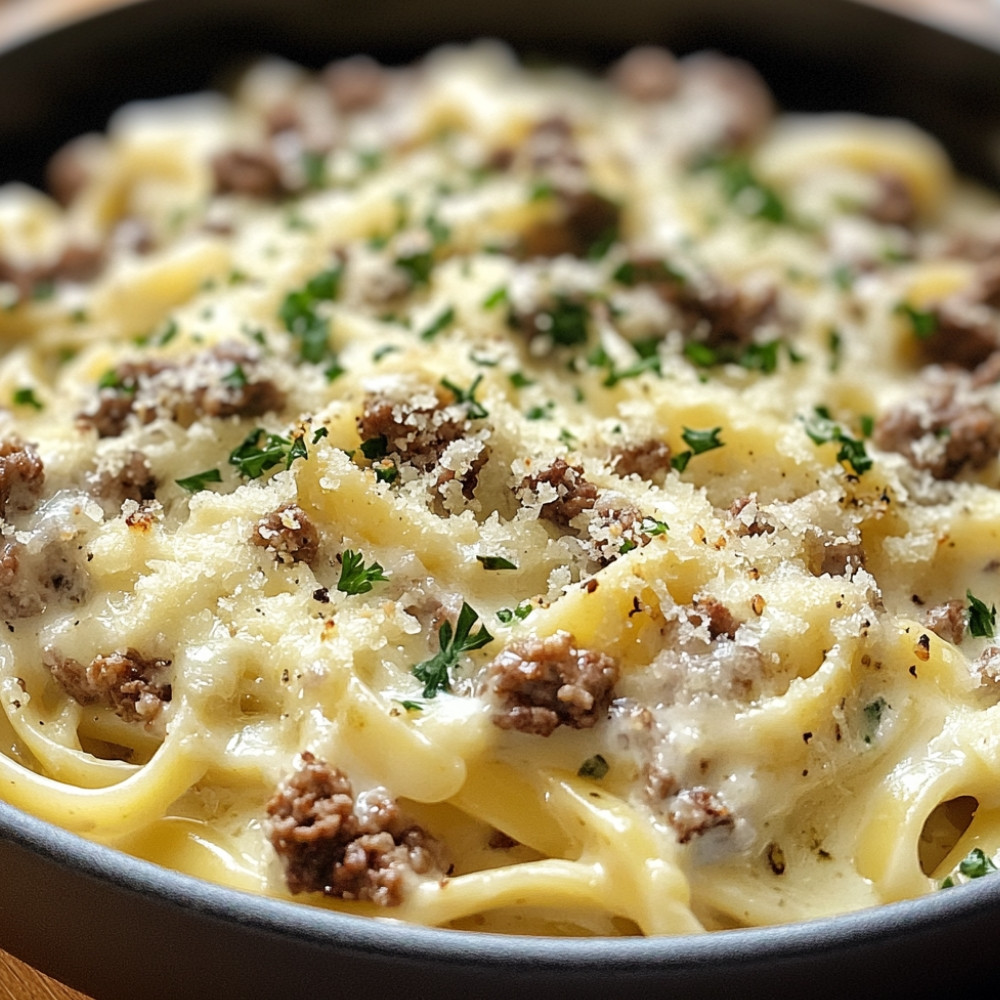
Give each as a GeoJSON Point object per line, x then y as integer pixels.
{"type": "Point", "coordinates": [19, 17]}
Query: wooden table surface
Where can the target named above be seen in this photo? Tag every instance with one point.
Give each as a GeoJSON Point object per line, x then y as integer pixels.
{"type": "Point", "coordinates": [19, 981]}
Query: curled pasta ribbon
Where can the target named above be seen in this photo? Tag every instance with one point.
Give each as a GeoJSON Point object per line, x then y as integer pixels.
{"type": "Point", "coordinates": [116, 810]}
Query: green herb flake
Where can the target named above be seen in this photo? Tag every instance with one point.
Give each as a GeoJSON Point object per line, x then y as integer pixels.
{"type": "Point", "coordinates": [495, 562]}
{"type": "Point", "coordinates": [976, 864]}
{"type": "Point", "coordinates": [300, 315]}
{"type": "Point", "coordinates": [595, 768]}
{"type": "Point", "coordinates": [982, 620]}
{"type": "Point", "coordinates": [453, 641]}
{"type": "Point", "coordinates": [314, 169]}
{"type": "Point", "coordinates": [497, 297]}
{"type": "Point", "coordinates": [375, 447]}
{"type": "Point", "coordinates": [873, 712]}
{"type": "Point", "coordinates": [442, 321]}
{"type": "Point", "coordinates": [386, 472]}
{"type": "Point", "coordinates": [652, 527]}
{"type": "Point", "coordinates": [320, 432]}
{"type": "Point", "coordinates": [701, 441]}
{"type": "Point", "coordinates": [744, 190]}
{"type": "Point", "coordinates": [507, 615]}
{"type": "Point", "coordinates": [467, 397]}
{"type": "Point", "coordinates": [519, 380]}
{"type": "Point", "coordinates": [198, 482]}
{"type": "Point", "coordinates": [923, 322]}
{"type": "Point", "coordinates": [355, 576]}
{"type": "Point", "coordinates": [261, 451]}
{"type": "Point", "coordinates": [412, 706]}
{"type": "Point", "coordinates": [823, 429]}
{"type": "Point", "coordinates": [417, 265]}
{"type": "Point", "coordinates": [235, 379]}
{"type": "Point", "coordinates": [25, 396]}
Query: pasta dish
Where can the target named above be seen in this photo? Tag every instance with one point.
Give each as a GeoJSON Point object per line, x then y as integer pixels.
{"type": "Point", "coordinates": [507, 498]}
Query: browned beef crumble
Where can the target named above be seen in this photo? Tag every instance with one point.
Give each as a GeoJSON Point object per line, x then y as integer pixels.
{"type": "Point", "coordinates": [748, 108]}
{"type": "Point", "coordinates": [694, 811]}
{"type": "Point", "coordinates": [894, 204]}
{"type": "Point", "coordinates": [835, 557]}
{"type": "Point", "coordinates": [647, 459]}
{"type": "Point", "coordinates": [575, 493]}
{"type": "Point", "coordinates": [133, 479]}
{"type": "Point", "coordinates": [328, 844]}
{"type": "Point", "coordinates": [711, 311]}
{"type": "Point", "coordinates": [67, 172]}
{"type": "Point", "coordinates": [77, 262]}
{"type": "Point", "coordinates": [255, 173]}
{"type": "Point", "coordinates": [123, 681]}
{"type": "Point", "coordinates": [689, 811]}
{"type": "Point", "coordinates": [759, 525]}
{"type": "Point", "coordinates": [712, 612]}
{"type": "Point", "coordinates": [22, 476]}
{"type": "Point", "coordinates": [945, 429]}
{"type": "Point", "coordinates": [647, 73]}
{"type": "Point", "coordinates": [583, 219]}
{"type": "Point", "coordinates": [355, 84]}
{"type": "Point", "coordinates": [289, 534]}
{"type": "Point", "coordinates": [947, 621]}
{"type": "Point", "coordinates": [967, 324]}
{"type": "Point", "coordinates": [543, 683]}
{"type": "Point", "coordinates": [419, 435]}
{"type": "Point", "coordinates": [155, 387]}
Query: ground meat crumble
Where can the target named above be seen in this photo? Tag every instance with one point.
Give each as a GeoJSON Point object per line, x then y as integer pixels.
{"type": "Point", "coordinates": [289, 534]}
{"type": "Point", "coordinates": [22, 476]}
{"type": "Point", "coordinates": [543, 683]}
{"type": "Point", "coordinates": [123, 681]}
{"type": "Point", "coordinates": [330, 842]}
{"type": "Point", "coordinates": [222, 382]}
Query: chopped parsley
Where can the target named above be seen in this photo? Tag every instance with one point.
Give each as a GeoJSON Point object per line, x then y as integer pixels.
{"type": "Point", "coordinates": [467, 397]}
{"type": "Point", "coordinates": [314, 168]}
{"type": "Point", "coordinates": [649, 361]}
{"type": "Point", "coordinates": [375, 447]}
{"type": "Point", "coordinates": [497, 297]}
{"type": "Point", "coordinates": [454, 641]}
{"type": "Point", "coordinates": [301, 317]}
{"type": "Point", "coordinates": [923, 322]}
{"type": "Point", "coordinates": [261, 451]}
{"type": "Point", "coordinates": [873, 717]}
{"type": "Point", "coordinates": [25, 396]}
{"type": "Point", "coordinates": [976, 864]}
{"type": "Point", "coordinates": [982, 620]}
{"type": "Point", "coordinates": [412, 706]}
{"type": "Point", "coordinates": [698, 443]}
{"type": "Point", "coordinates": [442, 321]}
{"type": "Point", "coordinates": [355, 576]}
{"type": "Point", "coordinates": [507, 615]}
{"type": "Point", "coordinates": [753, 357]}
{"type": "Point", "coordinates": [417, 264]}
{"type": "Point", "coordinates": [519, 380]}
{"type": "Point", "coordinates": [565, 322]}
{"type": "Point", "coordinates": [632, 273]}
{"type": "Point", "coordinates": [235, 379]}
{"type": "Point", "coordinates": [823, 429]}
{"type": "Point", "coordinates": [386, 472]}
{"type": "Point", "coordinates": [595, 767]}
{"type": "Point", "coordinates": [744, 190]}
{"type": "Point", "coordinates": [495, 562]}
{"type": "Point", "coordinates": [652, 527]}
{"type": "Point", "coordinates": [199, 481]}
{"type": "Point", "coordinates": [320, 432]}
